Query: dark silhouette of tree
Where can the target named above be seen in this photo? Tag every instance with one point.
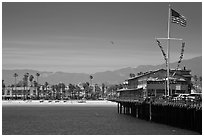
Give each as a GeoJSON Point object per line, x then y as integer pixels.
{"type": "Point", "coordinates": [3, 87]}
{"type": "Point", "coordinates": [200, 80]}
{"type": "Point", "coordinates": [46, 91]}
{"type": "Point", "coordinates": [31, 80]}
{"type": "Point", "coordinates": [55, 90]}
{"type": "Point", "coordinates": [62, 90]}
{"type": "Point", "coordinates": [37, 75]}
{"type": "Point", "coordinates": [195, 77]}
{"type": "Point", "coordinates": [71, 90]}
{"type": "Point", "coordinates": [97, 92]}
{"type": "Point", "coordinates": [103, 89]}
{"type": "Point", "coordinates": [35, 84]}
{"type": "Point", "coordinates": [112, 90]}
{"type": "Point", "coordinates": [25, 84]}
{"type": "Point", "coordinates": [91, 77]}
{"type": "Point", "coordinates": [15, 75]}
{"type": "Point", "coordinates": [78, 90]}
{"type": "Point", "coordinates": [86, 89]}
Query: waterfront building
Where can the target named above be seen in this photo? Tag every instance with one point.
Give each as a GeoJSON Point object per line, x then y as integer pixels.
{"type": "Point", "coordinates": [24, 92]}
{"type": "Point", "coordinates": [18, 92]}
{"type": "Point", "coordinates": [153, 83]}
{"type": "Point", "coordinates": [41, 92]}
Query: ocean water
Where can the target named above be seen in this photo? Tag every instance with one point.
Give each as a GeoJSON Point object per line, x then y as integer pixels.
{"type": "Point", "coordinates": [78, 120]}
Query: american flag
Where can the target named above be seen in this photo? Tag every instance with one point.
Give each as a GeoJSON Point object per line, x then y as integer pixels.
{"type": "Point", "coordinates": [177, 18]}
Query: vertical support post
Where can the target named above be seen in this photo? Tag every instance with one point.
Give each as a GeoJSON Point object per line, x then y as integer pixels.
{"type": "Point", "coordinates": [130, 111]}
{"type": "Point", "coordinates": [150, 110]}
{"type": "Point", "coordinates": [123, 108]}
{"type": "Point", "coordinates": [168, 50]}
{"type": "Point", "coordinates": [118, 108]}
{"type": "Point", "coordinates": [137, 111]}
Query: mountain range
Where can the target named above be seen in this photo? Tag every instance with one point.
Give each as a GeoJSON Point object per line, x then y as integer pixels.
{"type": "Point", "coordinates": [107, 77]}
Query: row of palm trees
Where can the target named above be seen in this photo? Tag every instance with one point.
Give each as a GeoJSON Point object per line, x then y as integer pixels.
{"type": "Point", "coordinates": [55, 91]}
{"type": "Point", "coordinates": [26, 78]}
{"type": "Point", "coordinates": [24, 83]}
{"type": "Point", "coordinates": [58, 91]}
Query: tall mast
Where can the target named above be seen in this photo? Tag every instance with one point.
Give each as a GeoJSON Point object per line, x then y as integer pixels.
{"type": "Point", "coordinates": [168, 51]}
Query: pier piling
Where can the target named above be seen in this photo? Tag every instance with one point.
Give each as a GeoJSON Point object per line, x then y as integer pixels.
{"type": "Point", "coordinates": [170, 114]}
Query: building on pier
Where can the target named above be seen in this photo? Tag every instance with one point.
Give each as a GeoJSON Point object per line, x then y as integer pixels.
{"type": "Point", "coordinates": [153, 83]}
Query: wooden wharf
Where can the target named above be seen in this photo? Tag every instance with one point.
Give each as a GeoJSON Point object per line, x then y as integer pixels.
{"type": "Point", "coordinates": [186, 116]}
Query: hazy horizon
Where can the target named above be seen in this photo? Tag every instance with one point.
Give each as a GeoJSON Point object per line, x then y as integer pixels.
{"type": "Point", "coordinates": [89, 73]}
{"type": "Point", "coordinates": [94, 37]}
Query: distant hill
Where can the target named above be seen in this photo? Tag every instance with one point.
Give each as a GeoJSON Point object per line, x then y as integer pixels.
{"type": "Point", "coordinates": [194, 64]}
{"type": "Point", "coordinates": [111, 77]}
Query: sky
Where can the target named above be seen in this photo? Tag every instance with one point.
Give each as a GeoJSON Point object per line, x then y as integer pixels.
{"type": "Point", "coordinates": [86, 37]}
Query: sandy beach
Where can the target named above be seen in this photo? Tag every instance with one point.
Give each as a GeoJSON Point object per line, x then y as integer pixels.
{"type": "Point", "coordinates": [57, 102]}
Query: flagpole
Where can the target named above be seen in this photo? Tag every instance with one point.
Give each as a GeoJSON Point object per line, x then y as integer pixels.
{"type": "Point", "coordinates": [168, 51]}
{"type": "Point", "coordinates": [179, 19]}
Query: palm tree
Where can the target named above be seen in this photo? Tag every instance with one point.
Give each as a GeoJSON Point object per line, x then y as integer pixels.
{"type": "Point", "coordinates": [71, 89]}
{"type": "Point", "coordinates": [62, 89]}
{"type": "Point", "coordinates": [91, 86]}
{"type": "Point", "coordinates": [37, 74]}
{"type": "Point", "coordinates": [91, 77]}
{"type": "Point", "coordinates": [200, 79]}
{"type": "Point", "coordinates": [46, 84]}
{"type": "Point", "coordinates": [15, 75]}
{"type": "Point", "coordinates": [31, 80]}
{"type": "Point", "coordinates": [196, 79]}
{"type": "Point", "coordinates": [78, 90]}
{"type": "Point", "coordinates": [35, 86]}
{"type": "Point", "coordinates": [31, 84]}
{"type": "Point", "coordinates": [86, 88]}
{"type": "Point", "coordinates": [103, 90]}
{"type": "Point", "coordinates": [25, 83]}
{"type": "Point", "coordinates": [3, 87]}
{"type": "Point", "coordinates": [53, 91]}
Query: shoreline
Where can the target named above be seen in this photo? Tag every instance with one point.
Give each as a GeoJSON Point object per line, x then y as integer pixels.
{"type": "Point", "coordinates": [58, 102]}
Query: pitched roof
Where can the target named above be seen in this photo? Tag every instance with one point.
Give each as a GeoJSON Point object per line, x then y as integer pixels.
{"type": "Point", "coordinates": [150, 72]}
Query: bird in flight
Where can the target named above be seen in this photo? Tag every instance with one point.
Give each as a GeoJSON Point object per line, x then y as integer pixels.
{"type": "Point", "coordinates": [111, 42]}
